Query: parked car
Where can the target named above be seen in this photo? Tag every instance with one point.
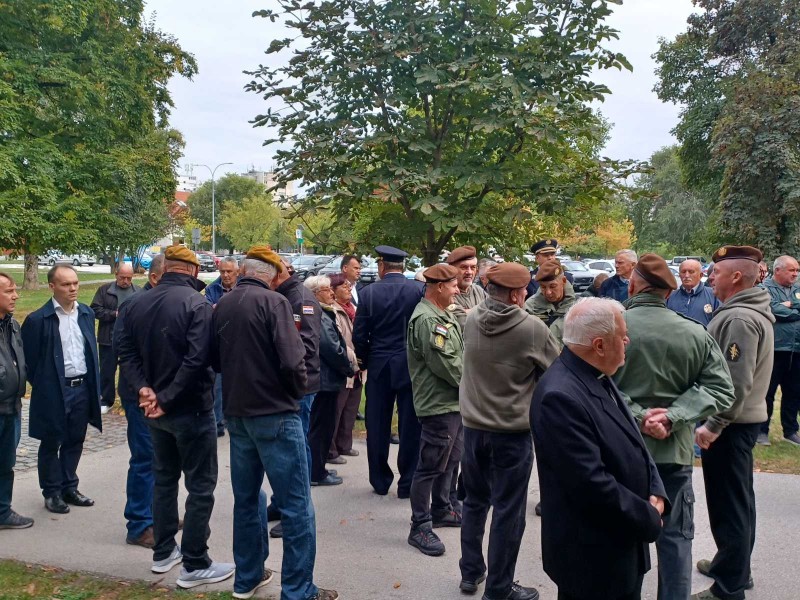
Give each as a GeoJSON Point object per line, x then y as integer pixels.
{"type": "Point", "coordinates": [78, 260]}
{"type": "Point", "coordinates": [677, 260]}
{"type": "Point", "coordinates": [211, 255]}
{"type": "Point", "coordinates": [334, 266]}
{"type": "Point", "coordinates": [369, 270]}
{"type": "Point", "coordinates": [582, 277]}
{"type": "Point", "coordinates": [206, 262]}
{"type": "Point", "coordinates": [307, 265]}
{"type": "Point", "coordinates": [602, 265]}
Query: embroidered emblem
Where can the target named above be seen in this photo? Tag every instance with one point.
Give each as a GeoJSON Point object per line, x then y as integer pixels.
{"type": "Point", "coordinates": [734, 353]}
{"type": "Point", "coordinates": [558, 271]}
{"type": "Point", "coordinates": [441, 330]}
{"type": "Point", "coordinates": [722, 251]}
{"type": "Point", "coordinates": [308, 310]}
{"type": "Point", "coordinates": [707, 309]}
{"type": "Point", "coordinates": [439, 341]}
{"type": "Point", "coordinates": [797, 295]}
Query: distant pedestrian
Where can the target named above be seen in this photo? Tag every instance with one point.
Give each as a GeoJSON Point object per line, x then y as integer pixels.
{"type": "Point", "coordinates": [693, 298]}
{"type": "Point", "coordinates": [62, 367]}
{"type": "Point", "coordinates": [12, 388]}
{"type": "Point", "coordinates": [155, 272]}
{"type": "Point", "coordinates": [616, 286]}
{"type": "Point", "coordinates": [351, 269]}
{"type": "Point", "coordinates": [763, 272]}
{"type": "Point", "coordinates": [593, 291]}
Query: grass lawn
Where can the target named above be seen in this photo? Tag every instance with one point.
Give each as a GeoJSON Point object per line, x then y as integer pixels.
{"type": "Point", "coordinates": [19, 581]}
{"type": "Point", "coordinates": [781, 456]}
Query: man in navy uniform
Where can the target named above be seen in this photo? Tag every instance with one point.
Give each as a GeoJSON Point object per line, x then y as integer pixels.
{"type": "Point", "coordinates": [544, 251]}
{"type": "Point", "coordinates": [379, 337]}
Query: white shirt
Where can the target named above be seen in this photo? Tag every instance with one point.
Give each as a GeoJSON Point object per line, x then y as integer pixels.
{"type": "Point", "coordinates": [354, 293]}
{"type": "Point", "coordinates": [71, 341]}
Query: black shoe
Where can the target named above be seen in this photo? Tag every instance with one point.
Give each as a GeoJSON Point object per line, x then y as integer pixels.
{"type": "Point", "coordinates": [56, 504]}
{"type": "Point", "coordinates": [16, 521]}
{"type": "Point", "coordinates": [538, 509]}
{"type": "Point", "coordinates": [75, 498]}
{"type": "Point", "coordinates": [360, 416]}
{"type": "Point", "coordinates": [449, 519]}
{"type": "Point", "coordinates": [704, 566]}
{"type": "Point", "coordinates": [517, 593]}
{"type": "Point", "coordinates": [221, 432]}
{"type": "Point", "coordinates": [425, 540]}
{"type": "Point", "coordinates": [273, 514]}
{"type": "Point", "coordinates": [277, 531]}
{"type": "Point", "coordinates": [470, 587]}
{"type": "Point", "coordinates": [331, 479]}
{"type": "Point", "coordinates": [395, 439]}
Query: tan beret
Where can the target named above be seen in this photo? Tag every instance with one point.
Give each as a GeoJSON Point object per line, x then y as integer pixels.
{"type": "Point", "coordinates": [738, 252]}
{"type": "Point", "coordinates": [461, 253]}
{"type": "Point", "coordinates": [440, 273]}
{"type": "Point", "coordinates": [267, 255]}
{"type": "Point", "coordinates": [549, 271]}
{"type": "Point", "coordinates": [509, 275]}
{"type": "Point", "coordinates": [654, 270]}
{"type": "Point", "coordinates": [182, 254]}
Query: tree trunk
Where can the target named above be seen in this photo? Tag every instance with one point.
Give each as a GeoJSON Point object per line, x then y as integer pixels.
{"type": "Point", "coordinates": [31, 278]}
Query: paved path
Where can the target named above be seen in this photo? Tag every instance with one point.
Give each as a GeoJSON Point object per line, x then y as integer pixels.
{"type": "Point", "coordinates": [361, 544]}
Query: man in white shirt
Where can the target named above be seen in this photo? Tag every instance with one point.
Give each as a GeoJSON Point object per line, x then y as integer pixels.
{"type": "Point", "coordinates": [351, 269]}
{"type": "Point", "coordinates": [61, 356]}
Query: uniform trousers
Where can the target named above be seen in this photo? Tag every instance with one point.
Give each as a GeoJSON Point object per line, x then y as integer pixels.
{"type": "Point", "coordinates": [496, 468]}
{"type": "Point", "coordinates": [441, 445]}
{"type": "Point", "coordinates": [674, 545]}
{"type": "Point", "coordinates": [347, 403]}
{"type": "Point", "coordinates": [320, 432]}
{"type": "Point", "coordinates": [58, 458]}
{"type": "Point", "coordinates": [108, 371]}
{"type": "Point", "coordinates": [634, 595]}
{"type": "Point", "coordinates": [786, 374]}
{"type": "Point", "coordinates": [381, 396]}
{"type": "Point", "coordinates": [728, 475]}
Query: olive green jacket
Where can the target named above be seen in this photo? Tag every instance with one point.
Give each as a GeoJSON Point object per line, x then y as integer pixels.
{"type": "Point", "coordinates": [435, 350]}
{"type": "Point", "coordinates": [552, 314]}
{"type": "Point", "coordinates": [672, 362]}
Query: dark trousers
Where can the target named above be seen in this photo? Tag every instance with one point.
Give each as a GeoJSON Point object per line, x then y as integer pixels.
{"type": "Point", "coordinates": [320, 432]}
{"type": "Point", "coordinates": [674, 545]}
{"type": "Point", "coordinates": [786, 374]}
{"type": "Point", "coordinates": [58, 459]}
{"type": "Point", "coordinates": [139, 486]}
{"type": "Point", "coordinates": [10, 426]}
{"type": "Point", "coordinates": [440, 446]}
{"type": "Point", "coordinates": [728, 475]}
{"type": "Point", "coordinates": [184, 443]}
{"type": "Point", "coordinates": [381, 397]}
{"type": "Point", "coordinates": [346, 410]}
{"type": "Point", "coordinates": [496, 469]}
{"type": "Point", "coordinates": [634, 595]}
{"type": "Point", "coordinates": [108, 373]}
{"type": "Point", "coordinates": [218, 416]}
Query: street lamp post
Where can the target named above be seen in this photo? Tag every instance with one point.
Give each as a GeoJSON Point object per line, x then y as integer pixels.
{"type": "Point", "coordinates": [213, 203]}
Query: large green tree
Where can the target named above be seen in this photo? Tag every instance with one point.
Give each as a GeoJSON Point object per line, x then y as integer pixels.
{"type": "Point", "coordinates": [736, 73]}
{"type": "Point", "coordinates": [84, 107]}
{"type": "Point", "coordinates": [429, 122]}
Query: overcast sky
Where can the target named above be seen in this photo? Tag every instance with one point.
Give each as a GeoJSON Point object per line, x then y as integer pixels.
{"type": "Point", "coordinates": [212, 111]}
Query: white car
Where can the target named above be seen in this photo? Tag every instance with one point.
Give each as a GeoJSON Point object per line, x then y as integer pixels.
{"type": "Point", "coordinates": [603, 265]}
{"type": "Point", "coordinates": [76, 260]}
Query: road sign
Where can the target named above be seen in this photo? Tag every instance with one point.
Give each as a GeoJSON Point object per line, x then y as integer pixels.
{"type": "Point", "coordinates": [196, 235]}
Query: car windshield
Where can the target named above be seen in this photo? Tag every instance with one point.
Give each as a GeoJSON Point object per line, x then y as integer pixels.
{"type": "Point", "coordinates": [574, 265]}
{"type": "Point", "coordinates": [303, 261]}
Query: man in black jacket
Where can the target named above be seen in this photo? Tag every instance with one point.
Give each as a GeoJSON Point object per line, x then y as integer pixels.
{"type": "Point", "coordinates": [164, 349]}
{"type": "Point", "coordinates": [602, 497]}
{"type": "Point", "coordinates": [107, 301]}
{"type": "Point", "coordinates": [12, 388]}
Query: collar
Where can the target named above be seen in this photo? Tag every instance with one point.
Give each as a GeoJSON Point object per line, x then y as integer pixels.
{"type": "Point", "coordinates": [251, 281]}
{"type": "Point", "coordinates": [645, 299]}
{"type": "Point", "coordinates": [176, 279]}
{"type": "Point", "coordinates": [434, 308]}
{"type": "Point", "coordinates": [694, 291]}
{"type": "Point", "coordinates": [58, 308]}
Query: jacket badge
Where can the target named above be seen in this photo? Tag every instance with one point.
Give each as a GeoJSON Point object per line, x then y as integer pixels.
{"type": "Point", "coordinates": [308, 310]}
{"type": "Point", "coordinates": [441, 330]}
{"type": "Point", "coordinates": [734, 353]}
{"type": "Point", "coordinates": [707, 309]}
{"type": "Point", "coordinates": [797, 295]}
{"type": "Point", "coordinates": [438, 341]}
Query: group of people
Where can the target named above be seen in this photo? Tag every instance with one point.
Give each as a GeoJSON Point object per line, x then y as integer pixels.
{"type": "Point", "coordinates": [483, 363]}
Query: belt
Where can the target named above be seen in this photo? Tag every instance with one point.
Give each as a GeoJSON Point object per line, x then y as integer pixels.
{"type": "Point", "coordinates": [74, 381]}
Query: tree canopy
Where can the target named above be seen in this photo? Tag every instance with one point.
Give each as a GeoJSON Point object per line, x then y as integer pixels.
{"type": "Point", "coordinates": [429, 122]}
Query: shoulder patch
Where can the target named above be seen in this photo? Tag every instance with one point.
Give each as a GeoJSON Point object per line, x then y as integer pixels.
{"type": "Point", "coordinates": [438, 341]}
{"type": "Point", "coordinates": [734, 352]}
{"type": "Point", "coordinates": [308, 309]}
{"type": "Point", "coordinates": [441, 330]}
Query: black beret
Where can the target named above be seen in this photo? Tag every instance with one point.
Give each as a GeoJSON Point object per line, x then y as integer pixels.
{"type": "Point", "coordinates": [392, 255]}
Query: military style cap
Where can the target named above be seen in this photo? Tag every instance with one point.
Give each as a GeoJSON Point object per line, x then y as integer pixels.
{"type": "Point", "coordinates": [549, 271]}
{"type": "Point", "coordinates": [509, 275]}
{"type": "Point", "coordinates": [392, 255]}
{"type": "Point", "coordinates": [548, 246]}
{"type": "Point", "coordinates": [738, 252]}
{"type": "Point", "coordinates": [461, 253]}
{"type": "Point", "coordinates": [267, 255]}
{"type": "Point", "coordinates": [182, 254]}
{"type": "Point", "coordinates": [654, 270]}
{"type": "Point", "coordinates": [440, 273]}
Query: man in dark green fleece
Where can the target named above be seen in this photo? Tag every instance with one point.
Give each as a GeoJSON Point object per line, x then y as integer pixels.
{"type": "Point", "coordinates": [553, 299]}
{"type": "Point", "coordinates": [743, 326]}
{"type": "Point", "coordinates": [674, 375]}
{"type": "Point", "coordinates": [435, 349]}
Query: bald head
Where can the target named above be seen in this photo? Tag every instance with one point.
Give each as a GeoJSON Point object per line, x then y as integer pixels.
{"type": "Point", "coordinates": [732, 276]}
{"type": "Point", "coordinates": [124, 276]}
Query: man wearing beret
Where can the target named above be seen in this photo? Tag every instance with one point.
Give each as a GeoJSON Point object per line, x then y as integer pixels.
{"type": "Point", "coordinates": [165, 354]}
{"type": "Point", "coordinates": [261, 357]}
{"type": "Point", "coordinates": [616, 286]}
{"type": "Point", "coordinates": [554, 298]}
{"type": "Point", "coordinates": [544, 251]}
{"type": "Point", "coordinates": [674, 375]}
{"type": "Point", "coordinates": [495, 397]}
{"type": "Point", "coordinates": [469, 295]}
{"type": "Point", "coordinates": [435, 348]}
{"type": "Point", "coordinates": [743, 328]}
{"type": "Point", "coordinates": [379, 337]}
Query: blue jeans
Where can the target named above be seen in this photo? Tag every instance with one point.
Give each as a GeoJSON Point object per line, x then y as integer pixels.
{"type": "Point", "coordinates": [10, 427]}
{"type": "Point", "coordinates": [273, 444]}
{"type": "Point", "coordinates": [139, 487]}
{"type": "Point", "coordinates": [305, 419]}
{"type": "Point", "coordinates": [674, 545]}
{"type": "Point", "coordinates": [218, 416]}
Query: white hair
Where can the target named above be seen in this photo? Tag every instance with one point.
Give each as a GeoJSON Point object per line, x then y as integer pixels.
{"type": "Point", "coordinates": [589, 319]}
{"type": "Point", "coordinates": [782, 262]}
{"type": "Point", "coordinates": [627, 253]}
{"type": "Point", "coordinates": [252, 266]}
{"type": "Point", "coordinates": [229, 259]}
{"type": "Point", "coordinates": [316, 282]}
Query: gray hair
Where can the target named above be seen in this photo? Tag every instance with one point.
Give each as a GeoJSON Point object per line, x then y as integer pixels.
{"type": "Point", "coordinates": [499, 293]}
{"type": "Point", "coordinates": [627, 253]}
{"type": "Point", "coordinates": [589, 319]}
{"type": "Point", "coordinates": [485, 263]}
{"type": "Point", "coordinates": [229, 259]}
{"type": "Point", "coordinates": [316, 282]}
{"type": "Point", "coordinates": [253, 266]}
{"type": "Point", "coordinates": [782, 262]}
{"type": "Point", "coordinates": [157, 264]}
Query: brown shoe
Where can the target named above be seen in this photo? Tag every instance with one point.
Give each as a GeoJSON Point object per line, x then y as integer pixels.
{"type": "Point", "coordinates": [146, 540]}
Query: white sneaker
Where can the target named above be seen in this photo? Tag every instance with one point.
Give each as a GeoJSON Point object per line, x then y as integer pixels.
{"type": "Point", "coordinates": [249, 594]}
{"type": "Point", "coordinates": [103, 409]}
{"type": "Point", "coordinates": [215, 573]}
{"type": "Point", "coordinates": [162, 566]}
